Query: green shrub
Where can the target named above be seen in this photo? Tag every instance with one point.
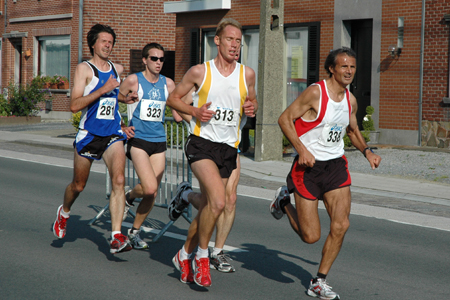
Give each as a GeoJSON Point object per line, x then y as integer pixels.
{"type": "Point", "coordinates": [4, 109]}
{"type": "Point", "coordinates": [367, 122]}
{"type": "Point", "coordinates": [75, 120]}
{"type": "Point", "coordinates": [174, 130]}
{"type": "Point", "coordinates": [23, 100]}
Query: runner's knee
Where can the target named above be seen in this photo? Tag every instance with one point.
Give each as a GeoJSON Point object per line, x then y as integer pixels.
{"type": "Point", "coordinates": [310, 236]}
{"type": "Point", "coordinates": [339, 228]}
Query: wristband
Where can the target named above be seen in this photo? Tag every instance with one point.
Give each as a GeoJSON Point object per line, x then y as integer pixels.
{"type": "Point", "coordinates": [364, 151]}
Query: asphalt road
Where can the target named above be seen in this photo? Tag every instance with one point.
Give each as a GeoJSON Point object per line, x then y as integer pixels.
{"type": "Point", "coordinates": [380, 259]}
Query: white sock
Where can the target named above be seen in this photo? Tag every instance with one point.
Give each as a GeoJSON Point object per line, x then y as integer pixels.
{"type": "Point", "coordinates": [184, 195]}
{"type": "Point", "coordinates": [202, 253]}
{"type": "Point", "coordinates": [184, 255]}
{"type": "Point", "coordinates": [216, 251]}
{"type": "Point", "coordinates": [65, 214]}
{"type": "Point", "coordinates": [114, 233]}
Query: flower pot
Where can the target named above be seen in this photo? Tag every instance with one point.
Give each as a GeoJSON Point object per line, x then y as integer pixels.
{"type": "Point", "coordinates": [374, 137]}
{"type": "Point", "coordinates": [54, 86]}
{"type": "Point", "coordinates": [46, 85]}
{"type": "Point", "coordinates": [63, 85]}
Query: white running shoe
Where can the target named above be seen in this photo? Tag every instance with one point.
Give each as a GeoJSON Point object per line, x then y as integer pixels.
{"type": "Point", "coordinates": [136, 241]}
{"type": "Point", "coordinates": [177, 204]}
{"type": "Point", "coordinates": [321, 290]}
{"type": "Point", "coordinates": [282, 195]}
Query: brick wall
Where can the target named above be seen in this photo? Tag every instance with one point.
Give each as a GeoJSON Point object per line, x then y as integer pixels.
{"type": "Point", "coordinates": [436, 72]}
{"type": "Point", "coordinates": [399, 77]}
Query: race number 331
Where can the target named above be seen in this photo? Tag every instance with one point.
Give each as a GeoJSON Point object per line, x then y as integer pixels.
{"type": "Point", "coordinates": [106, 108]}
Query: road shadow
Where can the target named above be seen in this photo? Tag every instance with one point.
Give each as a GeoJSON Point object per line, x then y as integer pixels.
{"type": "Point", "coordinates": [271, 264]}
{"type": "Point", "coordinates": [79, 229]}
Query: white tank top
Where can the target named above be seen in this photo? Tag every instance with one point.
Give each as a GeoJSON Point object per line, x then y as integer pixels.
{"type": "Point", "coordinates": [324, 136]}
{"type": "Point", "coordinates": [227, 95]}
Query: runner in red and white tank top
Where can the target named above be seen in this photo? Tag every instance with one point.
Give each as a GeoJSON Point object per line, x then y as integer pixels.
{"type": "Point", "coordinates": [323, 137]}
{"type": "Point", "coordinates": [323, 113]}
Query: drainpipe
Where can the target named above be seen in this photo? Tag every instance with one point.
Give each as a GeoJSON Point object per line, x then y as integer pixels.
{"type": "Point", "coordinates": [80, 32]}
{"type": "Point", "coordinates": [422, 42]}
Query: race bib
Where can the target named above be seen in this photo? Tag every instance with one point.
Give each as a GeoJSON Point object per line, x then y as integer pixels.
{"type": "Point", "coordinates": [106, 108]}
{"type": "Point", "coordinates": [332, 134]}
{"type": "Point", "coordinates": [225, 116]}
{"type": "Point", "coordinates": [152, 110]}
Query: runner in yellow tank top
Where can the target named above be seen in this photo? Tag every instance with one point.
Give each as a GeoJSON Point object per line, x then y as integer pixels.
{"type": "Point", "coordinates": [212, 158]}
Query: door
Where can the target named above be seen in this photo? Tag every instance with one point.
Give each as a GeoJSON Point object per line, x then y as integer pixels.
{"type": "Point", "coordinates": [361, 42]}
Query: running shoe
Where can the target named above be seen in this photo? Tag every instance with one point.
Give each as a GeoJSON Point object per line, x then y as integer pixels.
{"type": "Point", "coordinates": [177, 204]}
{"type": "Point", "coordinates": [127, 205]}
{"type": "Point", "coordinates": [221, 262]}
{"type": "Point", "coordinates": [136, 241]}
{"type": "Point", "coordinates": [281, 196]}
{"type": "Point", "coordinates": [200, 268]}
{"type": "Point", "coordinates": [59, 227]}
{"type": "Point", "coordinates": [120, 243]}
{"type": "Point", "coordinates": [321, 290]}
{"type": "Point", "coordinates": [184, 266]}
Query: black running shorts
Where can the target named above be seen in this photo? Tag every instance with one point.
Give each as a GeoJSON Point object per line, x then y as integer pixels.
{"type": "Point", "coordinates": [222, 155]}
{"type": "Point", "coordinates": [324, 176]}
{"type": "Point", "coordinates": [149, 147]}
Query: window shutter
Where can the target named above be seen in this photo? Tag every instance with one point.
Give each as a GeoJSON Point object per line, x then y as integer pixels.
{"type": "Point", "coordinates": [313, 54]}
{"type": "Point", "coordinates": [195, 46]}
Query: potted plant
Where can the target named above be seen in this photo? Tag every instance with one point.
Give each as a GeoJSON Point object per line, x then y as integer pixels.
{"type": "Point", "coordinates": [369, 126]}
{"type": "Point", "coordinates": [63, 83]}
{"type": "Point", "coordinates": [54, 82]}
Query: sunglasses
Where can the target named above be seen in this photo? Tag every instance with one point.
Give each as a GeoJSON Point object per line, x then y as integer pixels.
{"type": "Point", "coordinates": [155, 58]}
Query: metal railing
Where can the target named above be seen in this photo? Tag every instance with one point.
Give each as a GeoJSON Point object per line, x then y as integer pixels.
{"type": "Point", "coordinates": [176, 170]}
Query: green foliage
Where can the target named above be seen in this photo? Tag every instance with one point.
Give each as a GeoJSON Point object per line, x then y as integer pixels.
{"type": "Point", "coordinates": [4, 109]}
{"type": "Point", "coordinates": [174, 130]}
{"type": "Point", "coordinates": [348, 143]}
{"type": "Point", "coordinates": [285, 141]}
{"type": "Point", "coordinates": [23, 100]}
{"type": "Point", "coordinates": [367, 122]}
{"type": "Point", "coordinates": [75, 120]}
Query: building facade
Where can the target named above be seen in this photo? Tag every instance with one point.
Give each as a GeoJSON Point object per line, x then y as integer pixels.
{"type": "Point", "coordinates": [402, 49]}
{"type": "Point", "coordinates": [43, 37]}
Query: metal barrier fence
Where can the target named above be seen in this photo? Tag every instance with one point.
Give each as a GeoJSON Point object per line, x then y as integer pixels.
{"type": "Point", "coordinates": [176, 170]}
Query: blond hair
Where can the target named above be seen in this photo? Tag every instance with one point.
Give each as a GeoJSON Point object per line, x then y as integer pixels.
{"type": "Point", "coordinates": [225, 22]}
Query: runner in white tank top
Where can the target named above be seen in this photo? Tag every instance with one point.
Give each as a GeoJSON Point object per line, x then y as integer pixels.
{"type": "Point", "coordinates": [321, 114]}
{"type": "Point", "coordinates": [211, 148]}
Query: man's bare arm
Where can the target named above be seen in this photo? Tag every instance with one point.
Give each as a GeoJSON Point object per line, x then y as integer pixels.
{"type": "Point", "coordinates": [308, 100]}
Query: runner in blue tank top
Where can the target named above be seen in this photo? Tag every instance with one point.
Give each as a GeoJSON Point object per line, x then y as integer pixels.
{"type": "Point", "coordinates": [147, 139]}
{"type": "Point", "coordinates": [95, 93]}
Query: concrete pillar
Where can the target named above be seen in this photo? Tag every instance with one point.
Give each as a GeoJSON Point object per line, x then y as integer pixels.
{"type": "Point", "coordinates": [268, 135]}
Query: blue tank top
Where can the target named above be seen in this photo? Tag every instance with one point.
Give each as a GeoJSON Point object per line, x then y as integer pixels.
{"type": "Point", "coordinates": [102, 116]}
{"type": "Point", "coordinates": [148, 114]}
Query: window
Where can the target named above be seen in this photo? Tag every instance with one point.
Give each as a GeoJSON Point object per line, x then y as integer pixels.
{"type": "Point", "coordinates": [54, 55]}
{"type": "Point", "coordinates": [296, 39]}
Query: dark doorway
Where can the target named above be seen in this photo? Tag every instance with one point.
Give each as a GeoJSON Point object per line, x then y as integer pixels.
{"type": "Point", "coordinates": [361, 42]}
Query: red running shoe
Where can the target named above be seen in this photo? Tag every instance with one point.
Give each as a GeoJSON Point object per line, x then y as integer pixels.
{"type": "Point", "coordinates": [59, 227]}
{"type": "Point", "coordinates": [202, 276]}
{"type": "Point", "coordinates": [184, 266]}
{"type": "Point", "coordinates": [120, 243]}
